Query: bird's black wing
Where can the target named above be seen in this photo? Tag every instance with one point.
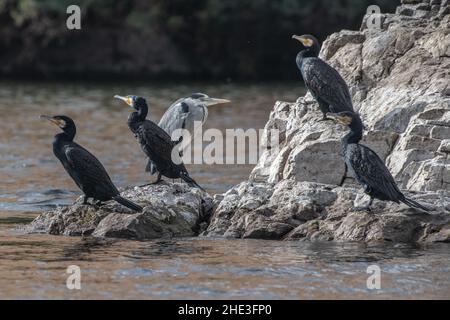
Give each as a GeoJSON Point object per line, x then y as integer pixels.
{"type": "Point", "coordinates": [88, 169]}
{"type": "Point", "coordinates": [155, 142]}
{"type": "Point", "coordinates": [371, 171]}
{"type": "Point", "coordinates": [327, 84]}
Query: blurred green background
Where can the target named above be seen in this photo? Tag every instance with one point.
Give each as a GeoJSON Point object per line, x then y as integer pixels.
{"type": "Point", "coordinates": [167, 39]}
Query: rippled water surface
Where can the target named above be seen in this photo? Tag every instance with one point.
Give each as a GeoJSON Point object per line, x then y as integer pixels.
{"type": "Point", "coordinates": [34, 266]}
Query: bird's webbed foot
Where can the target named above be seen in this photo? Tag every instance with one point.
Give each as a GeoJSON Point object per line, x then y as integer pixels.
{"type": "Point", "coordinates": [86, 202]}
{"type": "Point", "coordinates": [368, 190]}
{"type": "Point", "coordinates": [324, 118]}
{"type": "Point", "coordinates": [97, 203]}
{"type": "Point", "coordinates": [151, 183]}
{"type": "Point", "coordinates": [367, 208]}
{"type": "Point", "coordinates": [158, 180]}
{"type": "Point", "coordinates": [305, 102]}
{"type": "Point", "coordinates": [363, 209]}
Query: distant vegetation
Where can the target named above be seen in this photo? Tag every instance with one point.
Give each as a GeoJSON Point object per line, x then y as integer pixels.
{"type": "Point", "coordinates": [239, 39]}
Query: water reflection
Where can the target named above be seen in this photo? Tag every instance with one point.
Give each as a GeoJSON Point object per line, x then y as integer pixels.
{"type": "Point", "coordinates": [34, 266]}
{"type": "Point", "coordinates": [86, 248]}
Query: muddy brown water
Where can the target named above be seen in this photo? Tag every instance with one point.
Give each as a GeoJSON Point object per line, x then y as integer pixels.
{"type": "Point", "coordinates": [34, 266]}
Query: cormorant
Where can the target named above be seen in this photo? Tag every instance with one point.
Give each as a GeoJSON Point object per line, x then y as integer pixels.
{"type": "Point", "coordinates": [155, 142]}
{"type": "Point", "coordinates": [185, 113]}
{"type": "Point", "coordinates": [367, 167]}
{"type": "Point", "coordinates": [84, 168]}
{"type": "Point", "coordinates": [322, 80]}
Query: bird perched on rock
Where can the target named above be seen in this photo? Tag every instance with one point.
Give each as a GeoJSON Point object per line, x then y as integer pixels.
{"type": "Point", "coordinates": [323, 81]}
{"type": "Point", "coordinates": [84, 168]}
{"type": "Point", "coordinates": [155, 142]}
{"type": "Point", "coordinates": [187, 113]}
{"type": "Point", "coordinates": [367, 167]}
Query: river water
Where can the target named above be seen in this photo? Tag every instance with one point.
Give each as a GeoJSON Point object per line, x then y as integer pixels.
{"type": "Point", "coordinates": [34, 266]}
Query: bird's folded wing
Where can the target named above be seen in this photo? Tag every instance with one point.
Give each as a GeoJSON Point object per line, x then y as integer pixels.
{"type": "Point", "coordinates": [175, 117]}
{"type": "Point", "coordinates": [372, 171]}
{"type": "Point", "coordinates": [155, 141]}
{"type": "Point", "coordinates": [86, 165]}
{"type": "Point", "coordinates": [326, 83]}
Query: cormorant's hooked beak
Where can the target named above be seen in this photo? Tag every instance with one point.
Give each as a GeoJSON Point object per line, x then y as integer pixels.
{"type": "Point", "coordinates": [214, 101]}
{"type": "Point", "coordinates": [305, 41]}
{"type": "Point", "coordinates": [127, 100]}
{"type": "Point", "coordinates": [57, 122]}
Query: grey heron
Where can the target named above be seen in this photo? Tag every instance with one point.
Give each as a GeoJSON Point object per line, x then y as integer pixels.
{"type": "Point", "coordinates": [186, 113]}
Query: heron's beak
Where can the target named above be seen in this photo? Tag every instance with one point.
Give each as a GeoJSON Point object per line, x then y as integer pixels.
{"type": "Point", "coordinates": [213, 101]}
{"type": "Point", "coordinates": [305, 41]}
{"type": "Point", "coordinates": [127, 100]}
{"type": "Point", "coordinates": [51, 119]}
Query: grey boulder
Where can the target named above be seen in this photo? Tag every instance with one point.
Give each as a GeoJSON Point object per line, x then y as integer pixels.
{"type": "Point", "coordinates": [170, 210]}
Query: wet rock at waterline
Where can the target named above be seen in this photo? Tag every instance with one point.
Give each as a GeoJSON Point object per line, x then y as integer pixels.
{"type": "Point", "coordinates": [291, 210]}
{"type": "Point", "coordinates": [170, 210]}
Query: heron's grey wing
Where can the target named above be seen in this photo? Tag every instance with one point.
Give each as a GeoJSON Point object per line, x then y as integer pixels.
{"type": "Point", "coordinates": [88, 168]}
{"type": "Point", "coordinates": [175, 117]}
{"type": "Point", "coordinates": [327, 84]}
{"type": "Point", "coordinates": [371, 171]}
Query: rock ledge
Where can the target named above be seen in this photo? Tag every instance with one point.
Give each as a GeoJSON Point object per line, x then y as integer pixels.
{"type": "Point", "coordinates": [170, 210]}
{"type": "Point", "coordinates": [291, 210]}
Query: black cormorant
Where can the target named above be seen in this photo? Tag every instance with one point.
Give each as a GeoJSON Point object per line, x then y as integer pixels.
{"type": "Point", "coordinates": [84, 168]}
{"type": "Point", "coordinates": [156, 143]}
{"type": "Point", "coordinates": [365, 165]}
{"type": "Point", "coordinates": [322, 80]}
{"type": "Point", "coordinates": [186, 113]}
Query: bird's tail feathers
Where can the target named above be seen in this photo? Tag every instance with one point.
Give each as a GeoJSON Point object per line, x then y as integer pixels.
{"type": "Point", "coordinates": [185, 176]}
{"type": "Point", "coordinates": [127, 203]}
{"type": "Point", "coordinates": [414, 204]}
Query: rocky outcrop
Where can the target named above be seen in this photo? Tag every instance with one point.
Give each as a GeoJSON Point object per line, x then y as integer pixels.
{"type": "Point", "coordinates": [170, 210]}
{"type": "Point", "coordinates": [292, 210]}
{"type": "Point", "coordinates": [399, 77]}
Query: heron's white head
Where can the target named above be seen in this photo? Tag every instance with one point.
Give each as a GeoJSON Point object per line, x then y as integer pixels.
{"type": "Point", "coordinates": [205, 100]}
